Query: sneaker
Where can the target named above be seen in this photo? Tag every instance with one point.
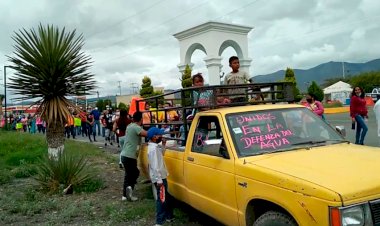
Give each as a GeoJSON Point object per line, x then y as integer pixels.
{"type": "Point", "coordinates": [170, 220]}
{"type": "Point", "coordinates": [123, 198]}
{"type": "Point", "coordinates": [130, 194]}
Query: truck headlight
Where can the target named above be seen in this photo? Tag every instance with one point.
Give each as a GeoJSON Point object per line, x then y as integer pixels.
{"type": "Point", "coordinates": [358, 215]}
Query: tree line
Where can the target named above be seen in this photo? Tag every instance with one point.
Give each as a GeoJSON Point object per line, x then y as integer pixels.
{"type": "Point", "coordinates": [366, 80]}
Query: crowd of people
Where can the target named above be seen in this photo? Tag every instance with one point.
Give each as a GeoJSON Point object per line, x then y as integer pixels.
{"type": "Point", "coordinates": [26, 123]}
{"type": "Point", "coordinates": [89, 123]}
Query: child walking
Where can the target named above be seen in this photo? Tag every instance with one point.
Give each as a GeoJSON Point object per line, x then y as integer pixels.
{"type": "Point", "coordinates": [158, 175]}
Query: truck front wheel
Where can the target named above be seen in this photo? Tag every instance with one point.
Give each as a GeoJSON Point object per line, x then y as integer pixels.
{"type": "Point", "coordinates": [273, 218]}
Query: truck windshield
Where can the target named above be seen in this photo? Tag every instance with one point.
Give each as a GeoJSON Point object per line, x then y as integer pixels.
{"type": "Point", "coordinates": [267, 131]}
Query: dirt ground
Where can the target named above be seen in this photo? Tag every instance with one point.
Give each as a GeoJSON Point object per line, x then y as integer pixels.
{"type": "Point", "coordinates": [114, 176]}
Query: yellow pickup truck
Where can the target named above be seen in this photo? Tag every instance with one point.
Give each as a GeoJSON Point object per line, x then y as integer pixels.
{"type": "Point", "coordinates": [272, 164]}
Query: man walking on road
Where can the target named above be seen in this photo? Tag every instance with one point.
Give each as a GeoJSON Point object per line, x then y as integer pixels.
{"type": "Point", "coordinates": [96, 114]}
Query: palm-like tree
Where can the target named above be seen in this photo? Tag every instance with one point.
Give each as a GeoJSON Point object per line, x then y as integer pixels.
{"type": "Point", "coordinates": [50, 66]}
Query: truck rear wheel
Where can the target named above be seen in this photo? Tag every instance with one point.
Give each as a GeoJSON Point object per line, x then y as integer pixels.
{"type": "Point", "coordinates": [273, 218]}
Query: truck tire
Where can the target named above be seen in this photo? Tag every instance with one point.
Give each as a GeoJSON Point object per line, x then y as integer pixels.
{"type": "Point", "coordinates": [273, 218]}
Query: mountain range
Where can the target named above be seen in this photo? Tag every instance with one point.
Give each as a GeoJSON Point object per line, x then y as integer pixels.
{"type": "Point", "coordinates": [322, 72]}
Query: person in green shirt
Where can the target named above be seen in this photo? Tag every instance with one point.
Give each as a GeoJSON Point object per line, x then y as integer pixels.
{"type": "Point", "coordinates": [77, 124]}
{"type": "Point", "coordinates": [129, 155]}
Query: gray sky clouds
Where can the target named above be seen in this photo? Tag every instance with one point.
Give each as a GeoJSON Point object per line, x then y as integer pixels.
{"type": "Point", "coordinates": [130, 39]}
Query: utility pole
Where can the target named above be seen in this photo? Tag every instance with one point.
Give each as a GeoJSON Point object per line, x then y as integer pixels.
{"type": "Point", "coordinates": [343, 68]}
{"type": "Point", "coordinates": [134, 87]}
{"type": "Point", "coordinates": [119, 87]}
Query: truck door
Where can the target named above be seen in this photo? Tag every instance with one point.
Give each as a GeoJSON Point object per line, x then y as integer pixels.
{"type": "Point", "coordinates": [209, 171]}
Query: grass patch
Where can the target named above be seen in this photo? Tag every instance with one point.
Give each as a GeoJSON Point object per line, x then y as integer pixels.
{"type": "Point", "coordinates": [21, 153]}
{"type": "Point", "coordinates": [20, 148]}
{"type": "Point", "coordinates": [5, 176]}
{"type": "Point", "coordinates": [91, 185]}
{"type": "Point", "coordinates": [96, 202]}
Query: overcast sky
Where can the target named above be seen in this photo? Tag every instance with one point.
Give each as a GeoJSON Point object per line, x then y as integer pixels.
{"type": "Point", "coordinates": [128, 39]}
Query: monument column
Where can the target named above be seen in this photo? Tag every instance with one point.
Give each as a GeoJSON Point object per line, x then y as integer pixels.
{"type": "Point", "coordinates": [213, 66]}
{"type": "Point", "coordinates": [245, 65]}
{"type": "Point", "coordinates": [182, 67]}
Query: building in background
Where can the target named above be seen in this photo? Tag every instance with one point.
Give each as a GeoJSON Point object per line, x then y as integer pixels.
{"type": "Point", "coordinates": [339, 91]}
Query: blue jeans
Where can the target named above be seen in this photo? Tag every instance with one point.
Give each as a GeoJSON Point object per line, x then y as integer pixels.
{"type": "Point", "coordinates": [96, 123]}
{"type": "Point", "coordinates": [78, 129]}
{"type": "Point", "coordinates": [361, 129]}
{"type": "Point", "coordinates": [103, 131]}
{"type": "Point", "coordinates": [164, 210]}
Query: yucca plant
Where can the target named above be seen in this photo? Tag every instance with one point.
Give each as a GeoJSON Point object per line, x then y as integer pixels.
{"type": "Point", "coordinates": [67, 170]}
{"type": "Point", "coordinates": [50, 66]}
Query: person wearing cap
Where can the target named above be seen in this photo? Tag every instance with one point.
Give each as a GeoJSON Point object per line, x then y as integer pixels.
{"type": "Point", "coordinates": [129, 155]}
{"type": "Point", "coordinates": [158, 174]}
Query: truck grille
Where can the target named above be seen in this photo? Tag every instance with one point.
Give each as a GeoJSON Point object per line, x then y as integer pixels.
{"type": "Point", "coordinates": [375, 210]}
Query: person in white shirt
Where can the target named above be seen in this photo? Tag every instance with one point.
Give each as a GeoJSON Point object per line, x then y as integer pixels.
{"type": "Point", "coordinates": [158, 174]}
{"type": "Point", "coordinates": [236, 77]}
{"type": "Point", "coordinates": [376, 109]}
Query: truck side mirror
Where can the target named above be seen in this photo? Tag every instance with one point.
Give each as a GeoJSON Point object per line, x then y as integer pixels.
{"type": "Point", "coordinates": [341, 130]}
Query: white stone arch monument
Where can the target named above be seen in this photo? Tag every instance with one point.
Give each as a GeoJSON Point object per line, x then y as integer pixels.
{"type": "Point", "coordinates": [213, 38]}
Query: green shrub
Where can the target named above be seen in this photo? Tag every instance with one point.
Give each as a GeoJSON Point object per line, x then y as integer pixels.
{"type": "Point", "coordinates": [24, 170]}
{"type": "Point", "coordinates": [5, 176]}
{"type": "Point", "coordinates": [91, 185]}
{"type": "Point", "coordinates": [69, 169]}
{"type": "Point", "coordinates": [22, 157]}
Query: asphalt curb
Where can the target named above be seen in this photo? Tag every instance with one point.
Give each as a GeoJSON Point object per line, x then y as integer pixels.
{"type": "Point", "coordinates": [337, 110]}
{"type": "Point", "coordinates": [344, 109]}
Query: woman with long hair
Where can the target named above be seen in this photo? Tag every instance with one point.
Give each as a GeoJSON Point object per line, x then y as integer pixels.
{"type": "Point", "coordinates": [359, 113]}
{"type": "Point", "coordinates": [119, 127]}
{"type": "Point", "coordinates": [314, 105]}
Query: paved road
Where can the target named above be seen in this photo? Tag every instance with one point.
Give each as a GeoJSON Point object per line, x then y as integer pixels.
{"type": "Point", "coordinates": [99, 143]}
{"type": "Point", "coordinates": [344, 119]}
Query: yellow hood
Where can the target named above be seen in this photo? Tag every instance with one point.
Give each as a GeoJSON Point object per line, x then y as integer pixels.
{"type": "Point", "coordinates": [352, 171]}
